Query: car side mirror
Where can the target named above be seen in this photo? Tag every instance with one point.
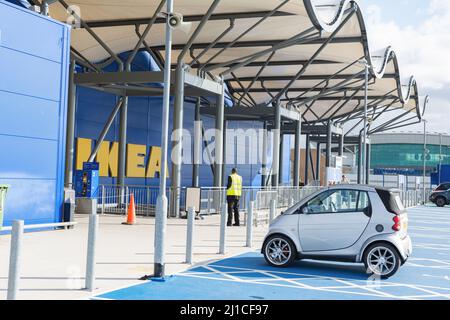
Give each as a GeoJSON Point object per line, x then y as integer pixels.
{"type": "Point", "coordinates": [305, 210]}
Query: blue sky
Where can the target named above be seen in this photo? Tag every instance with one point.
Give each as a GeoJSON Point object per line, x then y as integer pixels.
{"type": "Point", "coordinates": [416, 10]}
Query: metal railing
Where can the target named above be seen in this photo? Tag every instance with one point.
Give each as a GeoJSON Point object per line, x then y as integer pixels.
{"type": "Point", "coordinates": [412, 198]}
{"type": "Point", "coordinates": [17, 232]}
{"type": "Point", "coordinates": [113, 199]}
{"type": "Point", "coordinates": [211, 198]}
{"type": "Point", "coordinates": [267, 202]}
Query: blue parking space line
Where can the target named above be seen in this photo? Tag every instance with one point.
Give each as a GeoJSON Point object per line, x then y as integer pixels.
{"type": "Point", "coordinates": [248, 277]}
{"type": "Point", "coordinates": [212, 289]}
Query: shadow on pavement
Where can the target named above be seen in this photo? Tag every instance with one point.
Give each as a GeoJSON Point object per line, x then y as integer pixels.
{"type": "Point", "coordinates": [254, 262]}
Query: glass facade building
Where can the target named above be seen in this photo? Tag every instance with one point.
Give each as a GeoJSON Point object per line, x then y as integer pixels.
{"type": "Point", "coordinates": [408, 156]}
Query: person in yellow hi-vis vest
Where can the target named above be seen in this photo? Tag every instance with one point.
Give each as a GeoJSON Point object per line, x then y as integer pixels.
{"type": "Point", "coordinates": [234, 192]}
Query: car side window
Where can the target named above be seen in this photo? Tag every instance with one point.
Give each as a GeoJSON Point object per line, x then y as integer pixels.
{"type": "Point", "coordinates": [335, 201]}
{"type": "Point", "coordinates": [363, 201]}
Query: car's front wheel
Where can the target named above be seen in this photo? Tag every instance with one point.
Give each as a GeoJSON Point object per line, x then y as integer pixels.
{"type": "Point", "coordinates": [279, 251]}
{"type": "Point", "coordinates": [382, 260]}
{"type": "Point", "coordinates": [441, 202]}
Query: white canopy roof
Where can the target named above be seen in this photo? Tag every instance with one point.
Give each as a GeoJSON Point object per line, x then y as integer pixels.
{"type": "Point", "coordinates": [321, 89]}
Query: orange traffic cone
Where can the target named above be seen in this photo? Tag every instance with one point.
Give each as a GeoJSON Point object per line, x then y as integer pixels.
{"type": "Point", "coordinates": [131, 219]}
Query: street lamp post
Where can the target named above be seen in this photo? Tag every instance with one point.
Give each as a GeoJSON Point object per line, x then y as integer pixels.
{"type": "Point", "coordinates": [161, 205]}
{"type": "Point", "coordinates": [363, 151]}
{"type": "Point", "coordinates": [440, 156]}
{"type": "Point", "coordinates": [424, 158]}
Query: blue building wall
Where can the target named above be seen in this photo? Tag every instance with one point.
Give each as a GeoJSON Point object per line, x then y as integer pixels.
{"type": "Point", "coordinates": [144, 128]}
{"type": "Point", "coordinates": [33, 88]}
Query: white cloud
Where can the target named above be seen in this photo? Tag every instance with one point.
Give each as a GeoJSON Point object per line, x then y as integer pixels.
{"type": "Point", "coordinates": [423, 49]}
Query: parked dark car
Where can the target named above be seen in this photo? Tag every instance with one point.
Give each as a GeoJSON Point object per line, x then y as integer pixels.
{"type": "Point", "coordinates": [441, 195]}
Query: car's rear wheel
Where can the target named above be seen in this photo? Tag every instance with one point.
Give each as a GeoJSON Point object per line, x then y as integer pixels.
{"type": "Point", "coordinates": [382, 260]}
{"type": "Point", "coordinates": [441, 202]}
{"type": "Point", "coordinates": [279, 251]}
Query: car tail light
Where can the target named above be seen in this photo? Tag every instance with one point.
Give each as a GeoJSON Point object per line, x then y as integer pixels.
{"type": "Point", "coordinates": [397, 223]}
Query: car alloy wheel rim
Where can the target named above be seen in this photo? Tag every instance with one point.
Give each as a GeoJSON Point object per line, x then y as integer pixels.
{"type": "Point", "coordinates": [381, 261]}
{"type": "Point", "coordinates": [278, 251]}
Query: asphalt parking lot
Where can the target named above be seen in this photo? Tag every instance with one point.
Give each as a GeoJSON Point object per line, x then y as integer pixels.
{"type": "Point", "coordinates": [247, 277]}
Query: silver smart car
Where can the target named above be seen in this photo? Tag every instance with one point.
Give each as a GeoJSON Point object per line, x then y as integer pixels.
{"type": "Point", "coordinates": [345, 223]}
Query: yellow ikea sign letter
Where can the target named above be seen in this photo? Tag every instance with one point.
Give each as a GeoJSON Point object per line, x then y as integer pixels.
{"type": "Point", "coordinates": [84, 147]}
{"type": "Point", "coordinates": [136, 161]}
{"type": "Point", "coordinates": [108, 158]}
{"type": "Point", "coordinates": [154, 165]}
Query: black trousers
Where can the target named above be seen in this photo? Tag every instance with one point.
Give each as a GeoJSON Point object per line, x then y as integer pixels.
{"type": "Point", "coordinates": [233, 206]}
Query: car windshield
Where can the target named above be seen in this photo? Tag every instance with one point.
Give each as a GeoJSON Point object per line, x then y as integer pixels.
{"type": "Point", "coordinates": [443, 187]}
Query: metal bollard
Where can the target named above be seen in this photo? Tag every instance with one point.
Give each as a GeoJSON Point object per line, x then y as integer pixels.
{"type": "Point", "coordinates": [91, 261]}
{"type": "Point", "coordinates": [223, 229]}
{"type": "Point", "coordinates": [103, 199]}
{"type": "Point", "coordinates": [250, 224]}
{"type": "Point", "coordinates": [190, 235]}
{"type": "Point", "coordinates": [209, 202]}
{"type": "Point", "coordinates": [14, 259]}
{"type": "Point", "coordinates": [273, 209]}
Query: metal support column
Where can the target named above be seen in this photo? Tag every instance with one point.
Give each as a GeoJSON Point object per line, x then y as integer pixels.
{"type": "Point", "coordinates": [197, 145]}
{"type": "Point", "coordinates": [177, 141]}
{"type": "Point", "coordinates": [105, 130]}
{"type": "Point", "coordinates": [220, 116]}
{"type": "Point", "coordinates": [366, 101]}
{"type": "Point", "coordinates": [161, 206]}
{"type": "Point", "coordinates": [264, 157]}
{"type": "Point", "coordinates": [70, 134]}
{"type": "Point", "coordinates": [368, 154]}
{"type": "Point", "coordinates": [276, 145]}
{"type": "Point", "coordinates": [328, 151]}
{"type": "Point", "coordinates": [425, 152]}
{"type": "Point", "coordinates": [224, 166]}
{"type": "Point", "coordinates": [44, 7]}
{"type": "Point", "coordinates": [328, 145]}
{"type": "Point", "coordinates": [307, 153]}
{"type": "Point", "coordinates": [318, 162]}
{"type": "Point", "coordinates": [123, 142]}
{"type": "Point", "coordinates": [360, 159]}
{"type": "Point", "coordinates": [297, 153]}
{"type": "Point", "coordinates": [440, 158]}
{"type": "Point", "coordinates": [281, 162]}
{"type": "Point", "coordinates": [341, 145]}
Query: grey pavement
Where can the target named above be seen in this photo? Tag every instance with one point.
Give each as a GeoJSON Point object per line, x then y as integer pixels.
{"type": "Point", "coordinates": [54, 262]}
